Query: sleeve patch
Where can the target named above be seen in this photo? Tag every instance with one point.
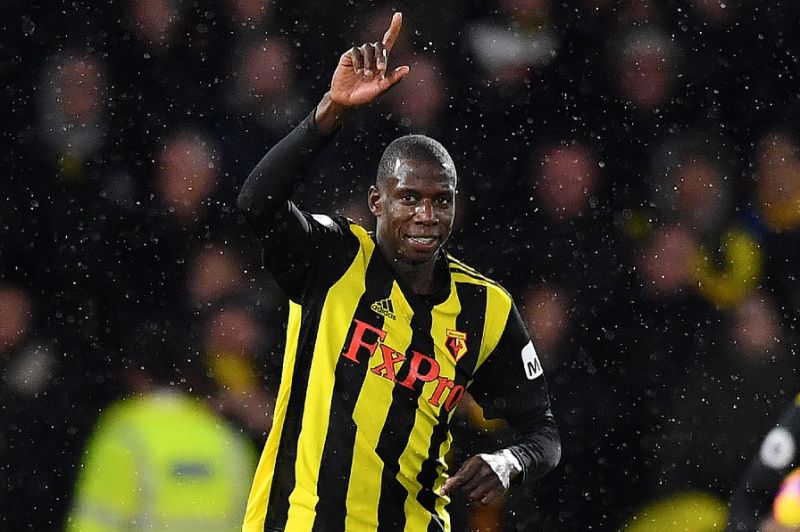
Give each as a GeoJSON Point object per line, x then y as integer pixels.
{"type": "Point", "coordinates": [323, 219]}
{"type": "Point", "coordinates": [777, 450]}
{"type": "Point", "coordinates": [533, 368]}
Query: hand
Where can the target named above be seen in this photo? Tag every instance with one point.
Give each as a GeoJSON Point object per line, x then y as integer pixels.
{"type": "Point", "coordinates": [360, 78]}
{"type": "Point", "coordinates": [361, 75]}
{"type": "Point", "coordinates": [479, 481]}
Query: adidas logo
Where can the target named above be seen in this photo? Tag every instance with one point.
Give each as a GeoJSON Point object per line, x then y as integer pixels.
{"type": "Point", "coordinates": [384, 307]}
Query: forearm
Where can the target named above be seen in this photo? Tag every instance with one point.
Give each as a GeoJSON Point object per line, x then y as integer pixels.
{"type": "Point", "coordinates": [267, 190]}
{"type": "Point", "coordinates": [537, 447]}
{"type": "Point", "coordinates": [329, 116]}
{"type": "Point", "coordinates": [486, 477]}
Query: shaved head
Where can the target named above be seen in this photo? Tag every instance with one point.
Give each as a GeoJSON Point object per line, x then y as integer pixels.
{"type": "Point", "coordinates": [413, 147]}
{"type": "Point", "coordinates": [413, 200]}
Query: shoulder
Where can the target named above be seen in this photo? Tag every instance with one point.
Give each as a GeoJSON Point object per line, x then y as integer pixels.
{"type": "Point", "coordinates": [329, 224]}
{"type": "Point", "coordinates": [326, 223]}
{"type": "Point", "coordinates": [463, 273]}
{"type": "Point", "coordinates": [354, 237]}
{"type": "Point", "coordinates": [362, 234]}
{"type": "Point", "coordinates": [119, 416]}
{"type": "Point", "coordinates": [143, 409]}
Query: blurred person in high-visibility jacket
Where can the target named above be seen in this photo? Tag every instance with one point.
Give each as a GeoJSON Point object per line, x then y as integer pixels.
{"type": "Point", "coordinates": [161, 459]}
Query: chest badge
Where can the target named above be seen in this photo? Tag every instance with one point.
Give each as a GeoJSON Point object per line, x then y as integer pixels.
{"type": "Point", "coordinates": [384, 307]}
{"type": "Point", "coordinates": [456, 343]}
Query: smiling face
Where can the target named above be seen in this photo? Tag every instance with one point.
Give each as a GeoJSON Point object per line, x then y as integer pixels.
{"type": "Point", "coordinates": [414, 208]}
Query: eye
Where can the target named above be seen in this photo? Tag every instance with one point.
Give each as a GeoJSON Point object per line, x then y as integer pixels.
{"type": "Point", "coordinates": [408, 198]}
{"type": "Point", "coordinates": [444, 201]}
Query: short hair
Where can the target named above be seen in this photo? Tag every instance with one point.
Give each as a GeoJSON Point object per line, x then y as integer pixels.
{"type": "Point", "coordinates": [419, 147]}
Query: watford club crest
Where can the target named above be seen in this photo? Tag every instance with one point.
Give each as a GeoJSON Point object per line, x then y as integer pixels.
{"type": "Point", "coordinates": [456, 343]}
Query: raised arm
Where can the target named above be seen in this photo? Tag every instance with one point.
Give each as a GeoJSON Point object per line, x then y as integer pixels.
{"type": "Point", "coordinates": [359, 79]}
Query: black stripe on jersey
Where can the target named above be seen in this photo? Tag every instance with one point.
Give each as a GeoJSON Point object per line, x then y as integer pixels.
{"type": "Point", "coordinates": [399, 424]}
{"type": "Point", "coordinates": [337, 455]}
{"type": "Point", "coordinates": [471, 319]}
{"type": "Point", "coordinates": [283, 480]}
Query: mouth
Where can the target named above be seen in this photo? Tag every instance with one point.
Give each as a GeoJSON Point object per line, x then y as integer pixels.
{"type": "Point", "coordinates": [423, 243]}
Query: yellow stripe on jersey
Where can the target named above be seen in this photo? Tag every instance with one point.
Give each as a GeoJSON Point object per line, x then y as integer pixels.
{"type": "Point", "coordinates": [256, 511]}
{"type": "Point", "coordinates": [498, 306]}
{"type": "Point", "coordinates": [370, 413]}
{"type": "Point", "coordinates": [455, 262]}
{"type": "Point", "coordinates": [457, 265]}
{"type": "Point", "coordinates": [442, 502]}
{"type": "Point", "coordinates": [443, 318]}
{"type": "Point", "coordinates": [335, 318]}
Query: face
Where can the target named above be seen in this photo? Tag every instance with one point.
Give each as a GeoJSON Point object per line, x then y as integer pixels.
{"type": "Point", "coordinates": [568, 179]}
{"type": "Point", "coordinates": [414, 210]}
{"type": "Point", "coordinates": [699, 189]}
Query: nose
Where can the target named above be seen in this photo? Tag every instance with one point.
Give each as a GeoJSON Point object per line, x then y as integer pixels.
{"type": "Point", "coordinates": [425, 213]}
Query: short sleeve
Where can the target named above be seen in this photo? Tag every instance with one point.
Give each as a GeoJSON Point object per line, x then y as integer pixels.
{"type": "Point", "coordinates": [510, 384]}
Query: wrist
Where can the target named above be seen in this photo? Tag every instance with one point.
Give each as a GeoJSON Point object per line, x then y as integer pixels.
{"type": "Point", "coordinates": [329, 115]}
{"type": "Point", "coordinates": [504, 464]}
{"type": "Point", "coordinates": [515, 465]}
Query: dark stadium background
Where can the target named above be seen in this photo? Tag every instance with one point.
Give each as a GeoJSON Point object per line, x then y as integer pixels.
{"type": "Point", "coordinates": [629, 170]}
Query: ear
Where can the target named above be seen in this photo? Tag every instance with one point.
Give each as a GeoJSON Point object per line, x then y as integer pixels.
{"type": "Point", "coordinates": [375, 201]}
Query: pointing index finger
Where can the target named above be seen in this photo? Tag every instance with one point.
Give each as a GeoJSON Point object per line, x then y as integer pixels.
{"type": "Point", "coordinates": [391, 34]}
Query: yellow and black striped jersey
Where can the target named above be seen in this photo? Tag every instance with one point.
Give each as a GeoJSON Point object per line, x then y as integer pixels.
{"type": "Point", "coordinates": [371, 376]}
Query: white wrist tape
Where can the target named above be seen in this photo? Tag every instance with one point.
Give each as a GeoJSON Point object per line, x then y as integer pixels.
{"type": "Point", "coordinates": [504, 464]}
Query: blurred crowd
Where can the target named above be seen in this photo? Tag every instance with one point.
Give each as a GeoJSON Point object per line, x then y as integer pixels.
{"type": "Point", "coordinates": [629, 170]}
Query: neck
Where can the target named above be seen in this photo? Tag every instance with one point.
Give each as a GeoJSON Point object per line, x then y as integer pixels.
{"type": "Point", "coordinates": [423, 278]}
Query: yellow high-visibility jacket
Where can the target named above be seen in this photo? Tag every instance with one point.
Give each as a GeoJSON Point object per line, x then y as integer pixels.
{"type": "Point", "coordinates": [163, 461]}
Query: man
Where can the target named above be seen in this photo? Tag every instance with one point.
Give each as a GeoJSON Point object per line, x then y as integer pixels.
{"type": "Point", "coordinates": [386, 332]}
